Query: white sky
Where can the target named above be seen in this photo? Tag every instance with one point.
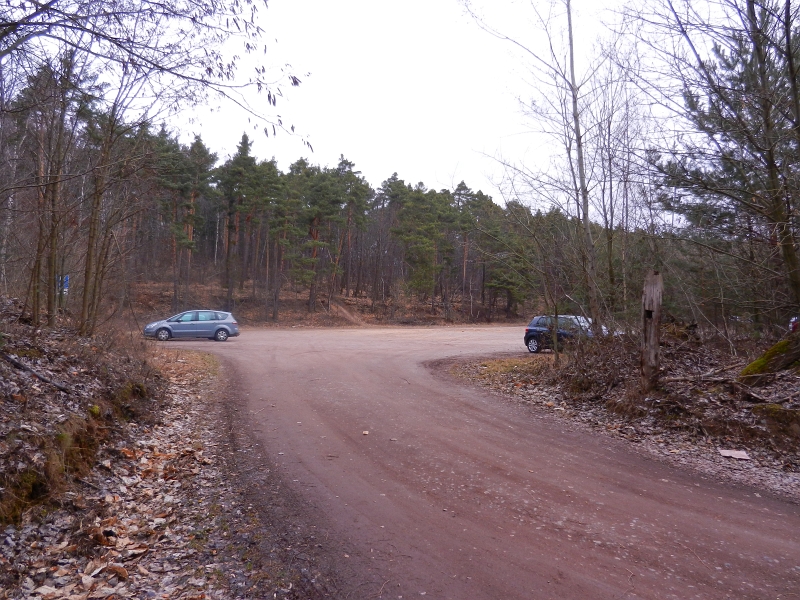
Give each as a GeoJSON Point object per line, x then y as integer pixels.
{"type": "Point", "coordinates": [413, 87]}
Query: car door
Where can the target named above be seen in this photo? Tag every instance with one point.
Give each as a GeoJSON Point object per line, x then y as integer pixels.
{"type": "Point", "coordinates": [566, 329]}
{"type": "Point", "coordinates": [184, 325]}
{"type": "Point", "coordinates": [545, 326]}
{"type": "Point", "coordinates": [206, 323]}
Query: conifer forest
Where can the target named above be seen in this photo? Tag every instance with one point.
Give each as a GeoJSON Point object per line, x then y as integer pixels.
{"type": "Point", "coordinates": [678, 150]}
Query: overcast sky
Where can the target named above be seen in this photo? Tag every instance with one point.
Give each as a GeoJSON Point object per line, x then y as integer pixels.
{"type": "Point", "coordinates": [413, 87]}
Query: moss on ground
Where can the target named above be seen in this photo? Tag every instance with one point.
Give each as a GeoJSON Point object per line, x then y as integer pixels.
{"type": "Point", "coordinates": [782, 356]}
{"type": "Point", "coordinates": [761, 365]}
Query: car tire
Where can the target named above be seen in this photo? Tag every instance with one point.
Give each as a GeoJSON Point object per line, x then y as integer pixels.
{"type": "Point", "coordinates": [163, 334]}
{"type": "Point", "coordinates": [534, 345]}
{"type": "Point", "coordinates": [221, 335]}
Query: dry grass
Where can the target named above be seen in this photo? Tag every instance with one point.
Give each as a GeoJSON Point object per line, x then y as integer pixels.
{"type": "Point", "coordinates": [516, 370]}
{"type": "Point", "coordinates": [533, 365]}
{"type": "Point", "coordinates": [182, 365]}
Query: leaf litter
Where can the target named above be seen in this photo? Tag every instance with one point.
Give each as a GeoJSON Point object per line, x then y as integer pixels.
{"type": "Point", "coordinates": [156, 509]}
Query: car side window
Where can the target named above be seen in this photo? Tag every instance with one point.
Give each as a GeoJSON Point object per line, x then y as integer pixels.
{"type": "Point", "coordinates": [185, 318]}
{"type": "Point", "coordinates": [221, 316]}
{"type": "Point", "coordinates": [205, 315]}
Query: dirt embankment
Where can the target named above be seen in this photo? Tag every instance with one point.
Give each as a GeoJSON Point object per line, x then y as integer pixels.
{"type": "Point", "coordinates": [118, 478]}
{"type": "Point", "coordinates": [154, 301]}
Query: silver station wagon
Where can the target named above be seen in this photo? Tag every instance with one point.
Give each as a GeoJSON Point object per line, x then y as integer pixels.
{"type": "Point", "coordinates": [211, 324]}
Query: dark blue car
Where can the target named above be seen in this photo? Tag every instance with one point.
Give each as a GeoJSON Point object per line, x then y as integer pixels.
{"type": "Point", "coordinates": [539, 332]}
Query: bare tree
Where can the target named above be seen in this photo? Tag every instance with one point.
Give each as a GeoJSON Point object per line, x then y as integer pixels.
{"type": "Point", "coordinates": [593, 118]}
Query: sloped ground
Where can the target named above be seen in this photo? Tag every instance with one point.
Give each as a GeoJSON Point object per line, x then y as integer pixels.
{"type": "Point", "coordinates": [699, 408]}
{"type": "Point", "coordinates": [154, 301]}
{"type": "Point", "coordinates": [123, 485]}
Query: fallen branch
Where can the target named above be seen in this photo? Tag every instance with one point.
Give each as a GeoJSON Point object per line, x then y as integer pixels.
{"type": "Point", "coordinates": [702, 562]}
{"type": "Point", "coordinates": [697, 378]}
{"type": "Point", "coordinates": [747, 393]}
{"type": "Point", "coordinates": [707, 376]}
{"type": "Point", "coordinates": [751, 394]}
{"type": "Point", "coordinates": [24, 367]}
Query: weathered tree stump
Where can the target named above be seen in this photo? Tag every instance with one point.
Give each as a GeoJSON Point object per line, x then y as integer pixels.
{"type": "Point", "coordinates": [651, 325]}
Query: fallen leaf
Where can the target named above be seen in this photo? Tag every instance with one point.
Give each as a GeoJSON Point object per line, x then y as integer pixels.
{"type": "Point", "coordinates": [46, 591]}
{"type": "Point", "coordinates": [117, 570]}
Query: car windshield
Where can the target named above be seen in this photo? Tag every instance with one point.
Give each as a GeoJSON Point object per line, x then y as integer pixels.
{"type": "Point", "coordinates": [564, 322]}
{"type": "Point", "coordinates": [568, 323]}
{"type": "Point", "coordinates": [582, 322]}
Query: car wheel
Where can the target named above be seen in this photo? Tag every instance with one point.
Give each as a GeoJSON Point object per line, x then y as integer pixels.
{"type": "Point", "coordinates": [533, 345]}
{"type": "Point", "coordinates": [163, 335]}
{"type": "Point", "coordinates": [221, 335]}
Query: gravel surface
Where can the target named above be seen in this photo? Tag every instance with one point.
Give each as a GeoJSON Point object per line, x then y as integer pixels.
{"type": "Point", "coordinates": [768, 469]}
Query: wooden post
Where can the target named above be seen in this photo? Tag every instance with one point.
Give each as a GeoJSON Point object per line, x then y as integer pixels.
{"type": "Point", "coordinates": [651, 325]}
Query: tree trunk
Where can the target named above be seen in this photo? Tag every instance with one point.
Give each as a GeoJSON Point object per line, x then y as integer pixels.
{"type": "Point", "coordinates": [175, 257]}
{"type": "Point", "coordinates": [313, 232]}
{"type": "Point", "coordinates": [591, 271]}
{"type": "Point", "coordinates": [91, 272]}
{"type": "Point", "coordinates": [651, 327]}
{"type": "Point", "coordinates": [276, 274]}
{"type": "Point", "coordinates": [776, 207]}
{"type": "Point", "coordinates": [229, 246]}
{"type": "Point", "coordinates": [609, 226]}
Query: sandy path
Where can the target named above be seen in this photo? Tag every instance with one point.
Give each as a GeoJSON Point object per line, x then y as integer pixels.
{"type": "Point", "coordinates": [456, 494]}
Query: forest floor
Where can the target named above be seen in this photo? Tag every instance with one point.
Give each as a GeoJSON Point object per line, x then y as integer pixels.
{"type": "Point", "coordinates": [154, 301]}
{"type": "Point", "coordinates": [118, 478]}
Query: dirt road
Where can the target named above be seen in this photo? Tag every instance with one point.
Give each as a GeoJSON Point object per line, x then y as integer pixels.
{"type": "Point", "coordinates": [456, 494]}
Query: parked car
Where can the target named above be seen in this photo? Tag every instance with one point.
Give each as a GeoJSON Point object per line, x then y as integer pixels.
{"type": "Point", "coordinates": [539, 332]}
{"type": "Point", "coordinates": [211, 324]}
{"type": "Point", "coordinates": [794, 324]}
